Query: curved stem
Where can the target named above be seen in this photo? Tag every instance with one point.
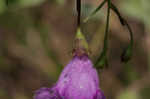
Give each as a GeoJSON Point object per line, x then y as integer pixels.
{"type": "Point", "coordinates": [123, 22]}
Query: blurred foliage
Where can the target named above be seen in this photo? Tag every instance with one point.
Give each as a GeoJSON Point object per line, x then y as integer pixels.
{"type": "Point", "coordinates": [2, 6]}
{"type": "Point", "coordinates": [129, 95]}
{"type": "Point", "coordinates": [145, 92]}
{"type": "Point", "coordinates": [138, 9]}
{"type": "Point", "coordinates": [36, 40]}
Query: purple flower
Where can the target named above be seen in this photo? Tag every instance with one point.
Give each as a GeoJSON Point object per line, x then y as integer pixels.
{"type": "Point", "coordinates": [79, 80]}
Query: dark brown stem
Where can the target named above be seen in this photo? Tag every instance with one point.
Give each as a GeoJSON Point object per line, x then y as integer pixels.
{"type": "Point", "coordinates": [79, 12]}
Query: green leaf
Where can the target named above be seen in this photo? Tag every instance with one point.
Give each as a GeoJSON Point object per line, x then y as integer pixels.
{"type": "Point", "coordinates": [128, 94]}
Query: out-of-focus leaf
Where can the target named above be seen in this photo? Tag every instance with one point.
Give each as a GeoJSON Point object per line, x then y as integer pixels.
{"type": "Point", "coordinates": [60, 1]}
{"type": "Point", "coordinates": [20, 96]}
{"type": "Point", "coordinates": [2, 6]}
{"type": "Point", "coordinates": [130, 74]}
{"type": "Point", "coordinates": [43, 30]}
{"type": "Point", "coordinates": [4, 94]}
{"type": "Point", "coordinates": [145, 92]}
{"type": "Point", "coordinates": [17, 23]}
{"type": "Point", "coordinates": [1, 59]}
{"type": "Point", "coordinates": [10, 2]}
{"type": "Point", "coordinates": [138, 9]}
{"type": "Point", "coordinates": [128, 94]}
{"type": "Point", "coordinates": [27, 3]}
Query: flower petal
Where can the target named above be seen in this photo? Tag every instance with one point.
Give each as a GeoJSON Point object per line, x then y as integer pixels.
{"type": "Point", "coordinates": [47, 93]}
{"type": "Point", "coordinates": [79, 80]}
{"type": "Point", "coordinates": [99, 95]}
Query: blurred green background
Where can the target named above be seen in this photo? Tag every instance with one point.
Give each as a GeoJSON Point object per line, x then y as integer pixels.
{"type": "Point", "coordinates": [36, 41]}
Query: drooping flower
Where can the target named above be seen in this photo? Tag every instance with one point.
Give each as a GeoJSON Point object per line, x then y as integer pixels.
{"type": "Point", "coordinates": [78, 80]}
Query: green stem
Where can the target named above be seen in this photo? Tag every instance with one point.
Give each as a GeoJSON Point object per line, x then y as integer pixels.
{"type": "Point", "coordinates": [107, 27]}
{"type": "Point", "coordinates": [102, 60]}
{"type": "Point", "coordinates": [95, 11]}
{"type": "Point", "coordinates": [123, 22]}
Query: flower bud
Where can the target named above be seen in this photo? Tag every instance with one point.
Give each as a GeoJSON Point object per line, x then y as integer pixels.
{"type": "Point", "coordinates": [126, 55]}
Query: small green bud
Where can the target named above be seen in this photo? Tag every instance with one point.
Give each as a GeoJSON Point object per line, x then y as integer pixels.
{"type": "Point", "coordinates": [102, 61]}
{"type": "Point", "coordinates": [81, 45]}
{"type": "Point", "coordinates": [127, 54]}
{"type": "Point", "coordinates": [82, 41]}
